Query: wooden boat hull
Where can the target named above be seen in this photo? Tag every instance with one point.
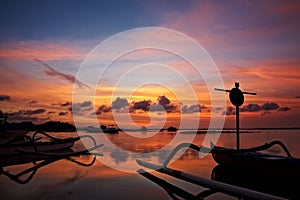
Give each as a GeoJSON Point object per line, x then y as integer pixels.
{"type": "Point", "coordinates": [12, 149]}
{"type": "Point", "coordinates": [260, 163]}
{"type": "Point", "coordinates": [279, 186]}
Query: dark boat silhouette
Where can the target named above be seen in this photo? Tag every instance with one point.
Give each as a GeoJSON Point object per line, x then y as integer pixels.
{"type": "Point", "coordinates": [14, 152]}
{"type": "Point", "coordinates": [172, 129]}
{"type": "Point", "coordinates": [13, 145]}
{"type": "Point", "coordinates": [251, 160]}
{"type": "Point", "coordinates": [279, 186]}
{"type": "Point", "coordinates": [257, 162]}
{"type": "Point", "coordinates": [102, 129]}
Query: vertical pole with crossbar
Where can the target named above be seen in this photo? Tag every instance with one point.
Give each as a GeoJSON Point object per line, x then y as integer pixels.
{"type": "Point", "coordinates": [236, 97]}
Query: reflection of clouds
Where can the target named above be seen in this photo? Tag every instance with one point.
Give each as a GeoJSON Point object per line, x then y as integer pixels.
{"type": "Point", "coordinates": [190, 154]}
{"type": "Point", "coordinates": [182, 154]}
{"type": "Point", "coordinates": [119, 155]}
{"type": "Point", "coordinates": [45, 190]}
{"type": "Point", "coordinates": [163, 154]}
{"type": "Point", "coordinates": [153, 149]}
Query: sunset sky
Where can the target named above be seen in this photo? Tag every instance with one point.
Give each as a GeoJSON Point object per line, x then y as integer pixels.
{"type": "Point", "coordinates": [44, 43]}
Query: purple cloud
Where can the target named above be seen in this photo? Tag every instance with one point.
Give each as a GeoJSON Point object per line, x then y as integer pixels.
{"type": "Point", "coordinates": [31, 112]}
{"type": "Point", "coordinates": [192, 108]}
{"type": "Point", "coordinates": [251, 108]}
{"type": "Point", "coordinates": [142, 105]}
{"type": "Point", "coordinates": [81, 108]}
{"type": "Point", "coordinates": [103, 109]}
{"type": "Point", "coordinates": [284, 109]}
{"type": "Point", "coordinates": [163, 100]}
{"type": "Point", "coordinates": [50, 71]}
{"type": "Point", "coordinates": [270, 106]}
{"type": "Point", "coordinates": [119, 103]}
{"type": "Point", "coordinates": [166, 103]}
{"type": "Point", "coordinates": [68, 103]}
{"type": "Point", "coordinates": [229, 111]}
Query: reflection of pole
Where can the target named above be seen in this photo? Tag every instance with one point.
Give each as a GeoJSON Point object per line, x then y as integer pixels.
{"type": "Point", "coordinates": [237, 120]}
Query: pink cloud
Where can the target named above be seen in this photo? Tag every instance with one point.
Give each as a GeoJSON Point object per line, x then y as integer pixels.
{"type": "Point", "coordinates": [25, 50]}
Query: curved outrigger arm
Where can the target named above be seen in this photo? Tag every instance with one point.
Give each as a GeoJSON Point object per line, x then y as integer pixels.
{"type": "Point", "coordinates": [212, 149]}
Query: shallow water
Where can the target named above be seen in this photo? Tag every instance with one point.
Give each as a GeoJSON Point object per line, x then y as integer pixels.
{"type": "Point", "coordinates": [66, 179]}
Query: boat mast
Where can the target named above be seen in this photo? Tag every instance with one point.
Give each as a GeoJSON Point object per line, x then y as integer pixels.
{"type": "Point", "coordinates": [236, 97]}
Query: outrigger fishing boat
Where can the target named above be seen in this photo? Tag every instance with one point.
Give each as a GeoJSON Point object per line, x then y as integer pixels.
{"type": "Point", "coordinates": [13, 145]}
{"type": "Point", "coordinates": [41, 159]}
{"type": "Point", "coordinates": [14, 151]}
{"type": "Point", "coordinates": [250, 159]}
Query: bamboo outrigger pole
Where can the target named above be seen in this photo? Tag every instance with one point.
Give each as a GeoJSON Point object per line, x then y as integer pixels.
{"type": "Point", "coordinates": [236, 97]}
{"type": "Point", "coordinates": [225, 188]}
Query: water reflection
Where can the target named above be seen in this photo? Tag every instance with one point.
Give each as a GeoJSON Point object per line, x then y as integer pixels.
{"type": "Point", "coordinates": [129, 148]}
{"type": "Point", "coordinates": [28, 157]}
{"type": "Point", "coordinates": [25, 174]}
{"type": "Point", "coordinates": [118, 156]}
{"type": "Point", "coordinates": [65, 179]}
{"type": "Point", "coordinates": [138, 148]}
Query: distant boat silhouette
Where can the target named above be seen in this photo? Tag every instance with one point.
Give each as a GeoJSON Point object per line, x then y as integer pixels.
{"type": "Point", "coordinates": [172, 129]}
{"type": "Point", "coordinates": [144, 129]}
{"type": "Point", "coordinates": [102, 129]}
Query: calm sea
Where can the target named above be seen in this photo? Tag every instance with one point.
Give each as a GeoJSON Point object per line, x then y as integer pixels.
{"type": "Point", "coordinates": [113, 176]}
